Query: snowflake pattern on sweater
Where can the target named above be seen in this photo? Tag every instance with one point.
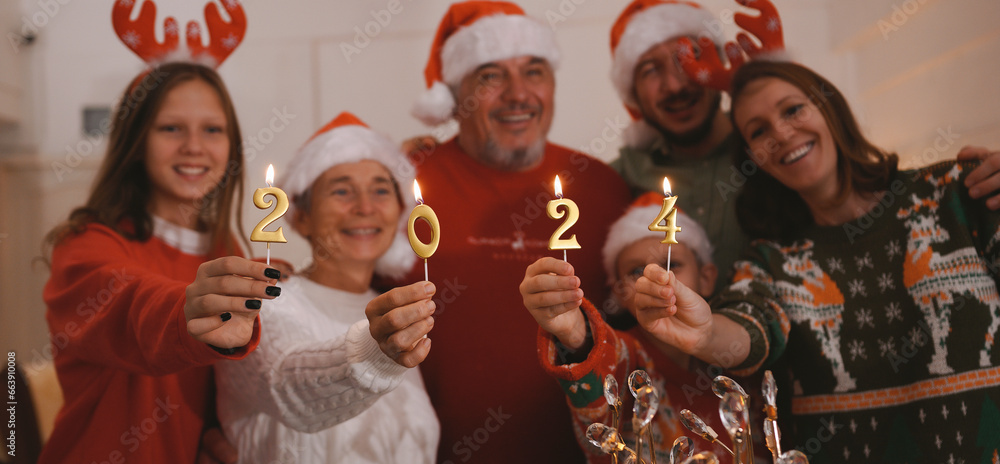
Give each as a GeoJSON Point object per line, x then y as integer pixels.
{"type": "Point", "coordinates": [891, 319]}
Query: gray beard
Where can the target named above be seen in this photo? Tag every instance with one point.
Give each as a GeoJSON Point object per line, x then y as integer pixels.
{"type": "Point", "coordinates": [513, 159]}
{"type": "Point", "coordinates": [693, 136]}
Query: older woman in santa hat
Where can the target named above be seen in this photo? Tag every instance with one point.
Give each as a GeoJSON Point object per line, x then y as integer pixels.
{"type": "Point", "coordinates": [329, 384]}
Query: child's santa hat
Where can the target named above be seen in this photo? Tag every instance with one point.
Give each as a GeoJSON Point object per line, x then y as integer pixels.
{"type": "Point", "coordinates": [346, 139]}
{"type": "Point", "coordinates": [643, 24]}
{"type": "Point", "coordinates": [471, 34]}
{"type": "Point", "coordinates": [634, 226]}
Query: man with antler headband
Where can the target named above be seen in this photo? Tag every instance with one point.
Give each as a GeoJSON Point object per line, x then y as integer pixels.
{"type": "Point", "coordinates": [679, 130]}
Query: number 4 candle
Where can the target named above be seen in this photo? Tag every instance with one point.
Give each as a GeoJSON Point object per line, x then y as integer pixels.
{"type": "Point", "coordinates": [669, 214]}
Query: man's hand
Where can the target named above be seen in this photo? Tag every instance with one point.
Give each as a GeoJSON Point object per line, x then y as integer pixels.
{"type": "Point", "coordinates": [552, 294]}
{"type": "Point", "coordinates": [399, 321]}
{"type": "Point", "coordinates": [985, 179]}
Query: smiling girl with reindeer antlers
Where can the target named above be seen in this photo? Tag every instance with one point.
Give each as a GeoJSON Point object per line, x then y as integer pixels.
{"type": "Point", "coordinates": [147, 288]}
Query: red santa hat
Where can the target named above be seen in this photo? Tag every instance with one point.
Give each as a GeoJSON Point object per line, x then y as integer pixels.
{"type": "Point", "coordinates": [634, 226]}
{"type": "Point", "coordinates": [346, 139]}
{"type": "Point", "coordinates": [643, 24]}
{"type": "Point", "coordinates": [471, 34]}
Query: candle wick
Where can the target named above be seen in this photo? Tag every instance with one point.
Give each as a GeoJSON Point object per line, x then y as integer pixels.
{"type": "Point", "coordinates": [559, 196]}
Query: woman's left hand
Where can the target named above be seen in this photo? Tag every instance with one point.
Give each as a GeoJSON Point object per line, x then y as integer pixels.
{"type": "Point", "coordinates": [399, 321]}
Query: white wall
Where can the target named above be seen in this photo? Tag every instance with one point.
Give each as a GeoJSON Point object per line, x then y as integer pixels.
{"type": "Point", "coordinates": [932, 73]}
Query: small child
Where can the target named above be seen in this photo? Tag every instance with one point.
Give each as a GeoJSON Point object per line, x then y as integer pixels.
{"type": "Point", "coordinates": [578, 348]}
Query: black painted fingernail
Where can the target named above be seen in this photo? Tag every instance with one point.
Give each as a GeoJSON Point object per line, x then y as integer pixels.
{"type": "Point", "coordinates": [253, 304]}
{"type": "Point", "coordinates": [226, 316]}
{"type": "Point", "coordinates": [272, 273]}
{"type": "Point", "coordinates": [273, 291]}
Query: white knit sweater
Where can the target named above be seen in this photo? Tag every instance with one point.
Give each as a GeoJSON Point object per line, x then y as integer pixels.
{"type": "Point", "coordinates": [318, 389]}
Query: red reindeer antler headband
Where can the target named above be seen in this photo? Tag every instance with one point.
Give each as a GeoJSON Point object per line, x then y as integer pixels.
{"type": "Point", "coordinates": [139, 35]}
{"type": "Point", "coordinates": [708, 69]}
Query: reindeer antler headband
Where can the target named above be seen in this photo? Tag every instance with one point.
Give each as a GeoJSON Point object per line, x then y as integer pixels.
{"type": "Point", "coordinates": [708, 69]}
{"type": "Point", "coordinates": [139, 35]}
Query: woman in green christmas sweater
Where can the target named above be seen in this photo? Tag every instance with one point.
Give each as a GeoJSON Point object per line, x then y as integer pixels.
{"type": "Point", "coordinates": [878, 286]}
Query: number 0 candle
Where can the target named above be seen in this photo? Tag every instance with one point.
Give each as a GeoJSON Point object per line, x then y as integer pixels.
{"type": "Point", "coordinates": [425, 213]}
{"type": "Point", "coordinates": [259, 234]}
{"type": "Point", "coordinates": [669, 214]}
{"type": "Point", "coordinates": [572, 213]}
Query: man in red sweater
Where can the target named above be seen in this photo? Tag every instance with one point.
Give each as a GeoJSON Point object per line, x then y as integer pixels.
{"type": "Point", "coordinates": [492, 69]}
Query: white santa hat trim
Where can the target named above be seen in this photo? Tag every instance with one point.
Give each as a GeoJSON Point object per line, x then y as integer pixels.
{"type": "Point", "coordinates": [650, 27]}
{"type": "Point", "coordinates": [493, 38]}
{"type": "Point", "coordinates": [634, 226]}
{"type": "Point", "coordinates": [350, 144]}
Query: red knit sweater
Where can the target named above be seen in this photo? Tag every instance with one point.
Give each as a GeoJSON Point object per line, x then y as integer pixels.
{"type": "Point", "coordinates": [137, 387]}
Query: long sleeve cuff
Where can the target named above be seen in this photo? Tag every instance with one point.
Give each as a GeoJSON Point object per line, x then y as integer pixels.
{"type": "Point", "coordinates": [370, 367]}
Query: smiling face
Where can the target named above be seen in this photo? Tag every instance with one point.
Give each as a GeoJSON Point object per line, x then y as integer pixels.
{"type": "Point", "coordinates": [186, 149]}
{"type": "Point", "coordinates": [789, 137]}
{"type": "Point", "coordinates": [682, 110]}
{"type": "Point", "coordinates": [352, 214]}
{"type": "Point", "coordinates": [632, 260]}
{"type": "Point", "coordinates": [504, 111]}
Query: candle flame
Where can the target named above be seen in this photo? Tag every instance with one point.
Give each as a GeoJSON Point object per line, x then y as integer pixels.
{"type": "Point", "coordinates": [416, 193]}
{"type": "Point", "coordinates": [666, 187]}
{"type": "Point", "coordinates": [559, 193]}
{"type": "Point", "coordinates": [270, 175]}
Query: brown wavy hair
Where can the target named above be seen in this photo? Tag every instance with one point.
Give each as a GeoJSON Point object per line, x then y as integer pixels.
{"type": "Point", "coordinates": [122, 189]}
{"type": "Point", "coordinates": [767, 208]}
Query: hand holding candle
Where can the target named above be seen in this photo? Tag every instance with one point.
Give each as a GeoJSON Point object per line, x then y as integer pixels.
{"type": "Point", "coordinates": [424, 212]}
{"type": "Point", "coordinates": [572, 213]}
{"type": "Point", "coordinates": [668, 214]}
{"type": "Point", "coordinates": [258, 234]}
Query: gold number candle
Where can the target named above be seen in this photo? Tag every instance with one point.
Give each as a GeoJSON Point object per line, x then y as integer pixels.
{"type": "Point", "coordinates": [280, 207]}
{"type": "Point", "coordinates": [668, 214]}
{"type": "Point", "coordinates": [572, 213]}
{"type": "Point", "coordinates": [425, 213]}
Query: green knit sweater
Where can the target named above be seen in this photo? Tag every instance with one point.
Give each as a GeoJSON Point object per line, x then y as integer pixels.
{"type": "Point", "coordinates": [888, 324]}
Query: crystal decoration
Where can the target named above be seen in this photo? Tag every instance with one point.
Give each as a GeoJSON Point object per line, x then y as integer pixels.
{"type": "Point", "coordinates": [636, 379]}
{"type": "Point", "coordinates": [604, 437]}
{"type": "Point", "coordinates": [793, 457]}
{"type": "Point", "coordinates": [646, 403]}
{"type": "Point", "coordinates": [611, 390]}
{"type": "Point", "coordinates": [682, 449]}
{"type": "Point", "coordinates": [704, 457]}
{"type": "Point", "coordinates": [733, 410]}
{"type": "Point", "coordinates": [722, 385]}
